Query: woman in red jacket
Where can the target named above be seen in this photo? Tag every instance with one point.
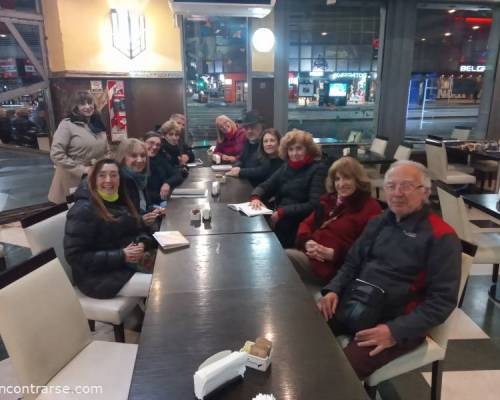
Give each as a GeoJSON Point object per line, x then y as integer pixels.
{"type": "Point", "coordinates": [327, 234]}
{"type": "Point", "coordinates": [230, 139]}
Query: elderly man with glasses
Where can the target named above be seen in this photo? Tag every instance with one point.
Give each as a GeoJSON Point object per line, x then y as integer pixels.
{"type": "Point", "coordinates": [400, 278]}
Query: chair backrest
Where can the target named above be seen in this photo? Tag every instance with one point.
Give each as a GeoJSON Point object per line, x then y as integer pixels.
{"type": "Point", "coordinates": [402, 153]}
{"type": "Point", "coordinates": [45, 230]}
{"type": "Point", "coordinates": [454, 212]}
{"type": "Point", "coordinates": [460, 133]}
{"type": "Point", "coordinates": [354, 137]}
{"type": "Point", "coordinates": [41, 320]}
{"type": "Point", "coordinates": [441, 333]}
{"type": "Point", "coordinates": [437, 160]}
{"type": "Point", "coordinates": [379, 145]}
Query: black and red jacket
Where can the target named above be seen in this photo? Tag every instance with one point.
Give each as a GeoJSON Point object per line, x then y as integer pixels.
{"type": "Point", "coordinates": [417, 261]}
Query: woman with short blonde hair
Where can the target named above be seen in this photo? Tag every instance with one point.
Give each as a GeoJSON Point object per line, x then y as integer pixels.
{"type": "Point", "coordinates": [230, 139]}
{"type": "Point", "coordinates": [327, 234]}
{"type": "Point", "coordinates": [297, 185]}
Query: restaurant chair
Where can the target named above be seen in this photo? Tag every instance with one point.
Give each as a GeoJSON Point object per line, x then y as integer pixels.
{"type": "Point", "coordinates": [48, 340]}
{"type": "Point", "coordinates": [431, 351]}
{"type": "Point", "coordinates": [437, 164]}
{"type": "Point", "coordinates": [402, 153]}
{"type": "Point", "coordinates": [454, 213]}
{"type": "Point", "coordinates": [379, 145]}
{"type": "Point", "coordinates": [354, 137]}
{"type": "Point", "coordinates": [45, 230]}
{"type": "Point", "coordinates": [461, 132]}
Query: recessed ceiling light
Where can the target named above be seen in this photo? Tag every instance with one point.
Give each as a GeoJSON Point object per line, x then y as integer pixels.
{"type": "Point", "coordinates": [423, 39]}
{"type": "Point", "coordinates": [476, 27]}
{"type": "Point", "coordinates": [452, 11]}
{"type": "Point", "coordinates": [447, 34]}
{"type": "Point", "coordinates": [324, 33]}
{"type": "Point", "coordinates": [3, 35]}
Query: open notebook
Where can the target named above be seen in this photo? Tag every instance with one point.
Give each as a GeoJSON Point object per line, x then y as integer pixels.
{"type": "Point", "coordinates": [246, 209]}
{"type": "Point", "coordinates": [170, 239]}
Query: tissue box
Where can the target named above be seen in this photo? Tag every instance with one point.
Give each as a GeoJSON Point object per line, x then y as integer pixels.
{"type": "Point", "coordinates": [258, 363]}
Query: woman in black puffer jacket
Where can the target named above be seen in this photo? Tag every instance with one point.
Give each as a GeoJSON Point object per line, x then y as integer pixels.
{"type": "Point", "coordinates": [105, 239]}
{"type": "Point", "coordinates": [296, 186]}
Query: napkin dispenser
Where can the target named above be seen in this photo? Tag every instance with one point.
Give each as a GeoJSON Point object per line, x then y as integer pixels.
{"type": "Point", "coordinates": [217, 370]}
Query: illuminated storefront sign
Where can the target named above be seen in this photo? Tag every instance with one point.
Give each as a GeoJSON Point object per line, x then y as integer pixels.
{"type": "Point", "coordinates": [472, 68]}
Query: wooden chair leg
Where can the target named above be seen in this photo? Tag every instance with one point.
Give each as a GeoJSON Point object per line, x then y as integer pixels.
{"type": "Point", "coordinates": [494, 276]}
{"type": "Point", "coordinates": [437, 379]}
{"type": "Point", "coordinates": [91, 325]}
{"type": "Point", "coordinates": [119, 333]}
{"type": "Point", "coordinates": [460, 302]}
{"type": "Point", "coordinates": [371, 391]}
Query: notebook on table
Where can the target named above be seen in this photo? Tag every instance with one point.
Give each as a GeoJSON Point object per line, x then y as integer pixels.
{"type": "Point", "coordinates": [170, 239]}
{"type": "Point", "coordinates": [246, 209]}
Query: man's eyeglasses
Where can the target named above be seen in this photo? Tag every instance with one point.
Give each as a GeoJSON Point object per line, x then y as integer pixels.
{"type": "Point", "coordinates": [404, 187]}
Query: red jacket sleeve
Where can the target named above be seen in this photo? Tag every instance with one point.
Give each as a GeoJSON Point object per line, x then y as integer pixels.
{"type": "Point", "coordinates": [305, 231]}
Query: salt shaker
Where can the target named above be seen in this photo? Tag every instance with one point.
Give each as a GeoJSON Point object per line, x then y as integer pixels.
{"type": "Point", "coordinates": [215, 188]}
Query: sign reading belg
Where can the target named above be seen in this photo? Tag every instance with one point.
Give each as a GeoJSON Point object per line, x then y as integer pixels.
{"type": "Point", "coordinates": [472, 68]}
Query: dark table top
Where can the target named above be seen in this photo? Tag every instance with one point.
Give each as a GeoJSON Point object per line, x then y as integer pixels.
{"type": "Point", "coordinates": [223, 219]}
{"type": "Point", "coordinates": [220, 292]}
{"type": "Point", "coordinates": [235, 190]}
{"type": "Point", "coordinates": [373, 158]}
{"type": "Point", "coordinates": [487, 203]}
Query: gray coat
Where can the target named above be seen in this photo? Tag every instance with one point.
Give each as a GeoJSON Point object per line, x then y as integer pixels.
{"type": "Point", "coordinates": [73, 146]}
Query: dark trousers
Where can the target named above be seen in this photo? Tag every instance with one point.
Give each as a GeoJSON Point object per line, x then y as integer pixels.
{"type": "Point", "coordinates": [286, 231]}
{"type": "Point", "coordinates": [361, 361]}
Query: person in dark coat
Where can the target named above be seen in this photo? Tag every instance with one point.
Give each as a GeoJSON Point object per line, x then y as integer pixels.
{"type": "Point", "coordinates": [297, 185]}
{"type": "Point", "coordinates": [132, 156]}
{"type": "Point", "coordinates": [105, 239]}
{"type": "Point", "coordinates": [171, 132]}
{"type": "Point", "coordinates": [252, 123]}
{"type": "Point", "coordinates": [186, 139]}
{"type": "Point", "coordinates": [327, 234]}
{"type": "Point", "coordinates": [5, 127]}
{"type": "Point", "coordinates": [268, 158]}
{"type": "Point", "coordinates": [163, 177]}
{"type": "Point", "coordinates": [24, 132]}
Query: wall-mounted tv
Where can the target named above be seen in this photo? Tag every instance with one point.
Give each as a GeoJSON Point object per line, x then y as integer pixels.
{"type": "Point", "coordinates": [337, 89]}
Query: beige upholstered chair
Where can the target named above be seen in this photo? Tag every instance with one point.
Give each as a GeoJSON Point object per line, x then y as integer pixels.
{"type": "Point", "coordinates": [433, 350]}
{"type": "Point", "coordinates": [47, 337]}
{"type": "Point", "coordinates": [379, 145]}
{"type": "Point", "coordinates": [437, 163]}
{"type": "Point", "coordinates": [45, 230]}
{"type": "Point", "coordinates": [354, 137]}
{"type": "Point", "coordinates": [460, 133]}
{"type": "Point", "coordinates": [454, 213]}
{"type": "Point", "coordinates": [402, 153]}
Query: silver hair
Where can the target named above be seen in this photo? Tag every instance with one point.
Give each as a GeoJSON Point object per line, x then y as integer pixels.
{"type": "Point", "coordinates": [424, 172]}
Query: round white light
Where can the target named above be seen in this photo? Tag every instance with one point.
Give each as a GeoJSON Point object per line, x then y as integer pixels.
{"type": "Point", "coordinates": [263, 40]}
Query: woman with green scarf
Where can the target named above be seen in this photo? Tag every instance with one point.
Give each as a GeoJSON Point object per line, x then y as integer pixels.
{"type": "Point", "coordinates": [132, 155]}
{"type": "Point", "coordinates": [105, 240]}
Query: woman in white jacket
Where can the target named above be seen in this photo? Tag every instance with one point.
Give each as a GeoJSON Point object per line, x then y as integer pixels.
{"type": "Point", "coordinates": [79, 140]}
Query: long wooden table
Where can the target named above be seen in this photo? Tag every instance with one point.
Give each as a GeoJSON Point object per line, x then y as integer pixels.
{"type": "Point", "coordinates": [226, 288]}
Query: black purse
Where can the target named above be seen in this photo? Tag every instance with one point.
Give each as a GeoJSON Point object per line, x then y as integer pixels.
{"type": "Point", "coordinates": [361, 303]}
{"type": "Point", "coordinates": [360, 306]}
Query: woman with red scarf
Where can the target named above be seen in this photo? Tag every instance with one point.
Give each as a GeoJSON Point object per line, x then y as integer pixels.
{"type": "Point", "coordinates": [230, 139]}
{"type": "Point", "coordinates": [296, 186]}
{"type": "Point", "coordinates": [327, 234]}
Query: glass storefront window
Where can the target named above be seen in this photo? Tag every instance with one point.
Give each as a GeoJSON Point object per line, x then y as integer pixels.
{"type": "Point", "coordinates": [215, 56]}
{"type": "Point", "coordinates": [20, 5]}
{"type": "Point", "coordinates": [449, 61]}
{"type": "Point", "coordinates": [333, 58]}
